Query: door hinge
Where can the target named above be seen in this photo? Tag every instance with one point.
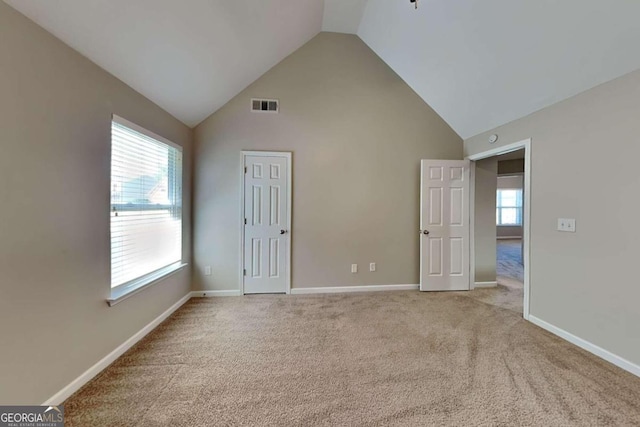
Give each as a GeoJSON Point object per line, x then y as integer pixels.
{"type": "Point", "coordinates": [244, 272]}
{"type": "Point", "coordinates": [245, 169]}
{"type": "Point", "coordinates": [245, 221]}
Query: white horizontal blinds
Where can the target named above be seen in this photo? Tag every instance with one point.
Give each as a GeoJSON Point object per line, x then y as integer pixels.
{"type": "Point", "coordinates": [146, 204]}
{"type": "Point", "coordinates": [509, 207]}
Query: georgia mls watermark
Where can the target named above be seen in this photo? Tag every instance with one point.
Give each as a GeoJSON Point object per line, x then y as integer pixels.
{"type": "Point", "coordinates": [31, 416]}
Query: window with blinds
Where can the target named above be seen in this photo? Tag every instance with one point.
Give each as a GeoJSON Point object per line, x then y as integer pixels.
{"type": "Point", "coordinates": [509, 207]}
{"type": "Point", "coordinates": [146, 203]}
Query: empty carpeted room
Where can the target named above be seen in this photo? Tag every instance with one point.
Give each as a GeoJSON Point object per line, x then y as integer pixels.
{"type": "Point", "coordinates": [289, 212]}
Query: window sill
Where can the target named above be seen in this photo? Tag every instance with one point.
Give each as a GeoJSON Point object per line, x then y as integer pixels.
{"type": "Point", "coordinates": [122, 292]}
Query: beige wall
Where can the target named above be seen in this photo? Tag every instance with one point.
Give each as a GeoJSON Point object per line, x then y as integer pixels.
{"type": "Point", "coordinates": [585, 282]}
{"type": "Point", "coordinates": [486, 175]}
{"type": "Point", "coordinates": [55, 115]}
{"type": "Point", "coordinates": [509, 231]}
{"type": "Point", "coordinates": [506, 167]}
{"type": "Point", "coordinates": [510, 181]}
{"type": "Point", "coordinates": [357, 133]}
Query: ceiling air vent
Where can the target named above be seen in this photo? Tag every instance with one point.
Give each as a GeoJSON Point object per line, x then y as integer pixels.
{"type": "Point", "coordinates": [265, 105]}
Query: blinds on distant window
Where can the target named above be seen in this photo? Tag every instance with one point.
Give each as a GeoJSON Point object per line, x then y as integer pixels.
{"type": "Point", "coordinates": [146, 203]}
{"type": "Point", "coordinates": [509, 207]}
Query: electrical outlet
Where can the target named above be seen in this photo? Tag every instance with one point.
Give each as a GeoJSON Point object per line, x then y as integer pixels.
{"type": "Point", "coordinates": [372, 266]}
{"type": "Point", "coordinates": [354, 268]}
{"type": "Point", "coordinates": [207, 270]}
{"type": "Point", "coordinates": [567, 225]}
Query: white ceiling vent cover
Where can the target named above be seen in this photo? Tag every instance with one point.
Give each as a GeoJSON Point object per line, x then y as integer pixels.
{"type": "Point", "coordinates": [265, 105]}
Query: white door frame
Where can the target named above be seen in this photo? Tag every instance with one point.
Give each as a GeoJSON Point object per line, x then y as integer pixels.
{"type": "Point", "coordinates": [286, 155]}
{"type": "Point", "coordinates": [526, 232]}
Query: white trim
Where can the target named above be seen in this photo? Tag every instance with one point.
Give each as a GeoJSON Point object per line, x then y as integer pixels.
{"type": "Point", "coordinates": [124, 291]}
{"type": "Point", "coordinates": [586, 345]}
{"type": "Point", "coordinates": [498, 151]}
{"type": "Point", "coordinates": [486, 284]}
{"type": "Point", "coordinates": [225, 293]}
{"type": "Point", "coordinates": [90, 373]}
{"type": "Point", "coordinates": [140, 129]}
{"type": "Point", "coordinates": [286, 155]}
{"type": "Point", "coordinates": [472, 220]}
{"type": "Point", "coordinates": [348, 289]}
{"type": "Point", "coordinates": [526, 144]}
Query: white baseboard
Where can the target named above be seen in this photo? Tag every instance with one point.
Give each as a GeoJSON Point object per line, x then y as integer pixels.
{"type": "Point", "coordinates": [88, 375]}
{"type": "Point", "coordinates": [485, 284]}
{"type": "Point", "coordinates": [345, 289]}
{"type": "Point", "coordinates": [586, 345]}
{"type": "Point", "coordinates": [509, 238]}
{"type": "Point", "coordinates": [227, 293]}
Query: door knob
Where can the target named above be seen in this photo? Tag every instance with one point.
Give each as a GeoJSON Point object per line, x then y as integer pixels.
{"type": "Point", "coordinates": [425, 232]}
{"type": "Point", "coordinates": [283, 231]}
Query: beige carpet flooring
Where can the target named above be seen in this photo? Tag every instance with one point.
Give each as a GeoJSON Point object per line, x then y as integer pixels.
{"type": "Point", "coordinates": [370, 359]}
{"type": "Point", "coordinates": [509, 294]}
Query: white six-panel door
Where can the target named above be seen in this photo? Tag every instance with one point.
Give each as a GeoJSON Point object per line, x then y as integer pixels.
{"type": "Point", "coordinates": [266, 233]}
{"type": "Point", "coordinates": [444, 225]}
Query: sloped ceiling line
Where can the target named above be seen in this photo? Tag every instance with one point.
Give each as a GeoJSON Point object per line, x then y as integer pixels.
{"type": "Point", "coordinates": [478, 63]}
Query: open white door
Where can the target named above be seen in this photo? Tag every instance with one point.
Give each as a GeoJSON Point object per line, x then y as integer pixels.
{"type": "Point", "coordinates": [267, 191]}
{"type": "Point", "coordinates": [444, 225]}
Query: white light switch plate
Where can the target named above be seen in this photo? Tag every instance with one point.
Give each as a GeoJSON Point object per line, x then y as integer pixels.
{"type": "Point", "coordinates": [207, 270]}
{"type": "Point", "coordinates": [567, 225]}
{"type": "Point", "coordinates": [372, 266]}
{"type": "Point", "coordinates": [354, 268]}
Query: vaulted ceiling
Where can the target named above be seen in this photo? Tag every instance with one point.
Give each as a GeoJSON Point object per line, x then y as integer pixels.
{"type": "Point", "coordinates": [478, 63]}
{"type": "Point", "coordinates": [483, 63]}
{"type": "Point", "coordinates": [188, 56]}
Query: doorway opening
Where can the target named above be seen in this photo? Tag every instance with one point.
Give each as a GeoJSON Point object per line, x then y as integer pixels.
{"type": "Point", "coordinates": [500, 226]}
{"type": "Point", "coordinates": [509, 223]}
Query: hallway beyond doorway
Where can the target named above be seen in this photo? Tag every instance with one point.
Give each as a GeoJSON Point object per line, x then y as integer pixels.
{"type": "Point", "coordinates": [509, 259]}
{"type": "Point", "coordinates": [509, 293]}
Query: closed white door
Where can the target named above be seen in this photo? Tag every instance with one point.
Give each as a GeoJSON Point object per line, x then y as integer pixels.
{"type": "Point", "coordinates": [266, 236]}
{"type": "Point", "coordinates": [444, 225]}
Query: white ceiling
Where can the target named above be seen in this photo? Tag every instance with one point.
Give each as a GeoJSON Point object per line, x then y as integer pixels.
{"type": "Point", "coordinates": [478, 63]}
{"type": "Point", "coordinates": [343, 16]}
{"type": "Point", "coordinates": [483, 63]}
{"type": "Point", "coordinates": [190, 56]}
